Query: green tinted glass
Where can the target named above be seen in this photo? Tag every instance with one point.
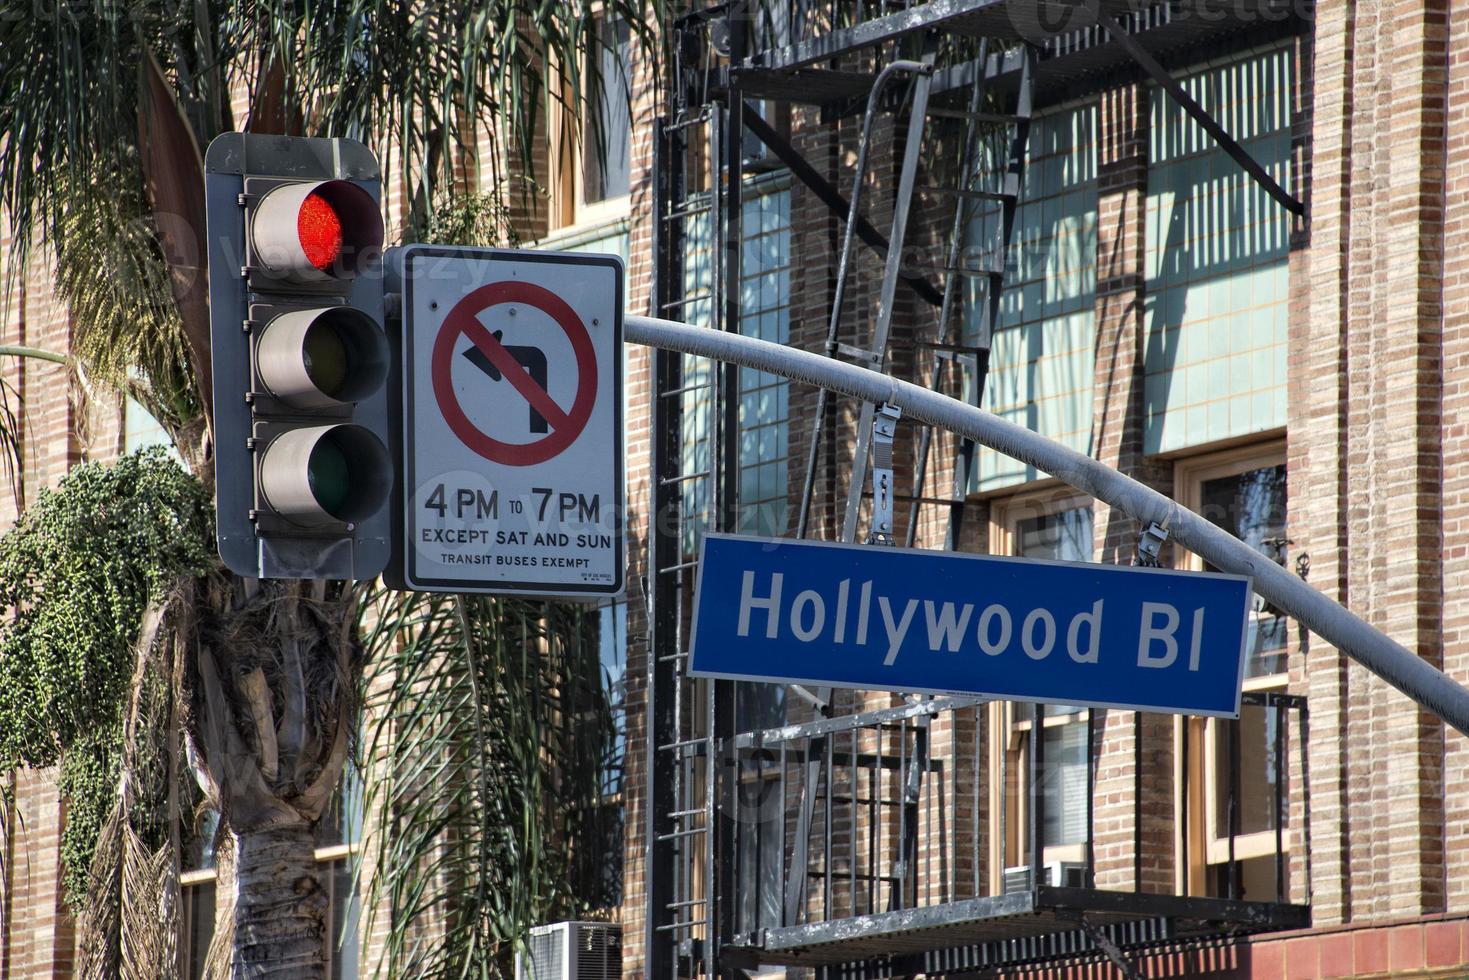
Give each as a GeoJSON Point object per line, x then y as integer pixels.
{"type": "Point", "coordinates": [329, 475]}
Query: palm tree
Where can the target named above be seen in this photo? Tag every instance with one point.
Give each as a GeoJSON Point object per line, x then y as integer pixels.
{"type": "Point", "coordinates": [103, 110]}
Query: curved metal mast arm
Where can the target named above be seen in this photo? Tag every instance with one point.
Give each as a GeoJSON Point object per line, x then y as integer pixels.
{"type": "Point", "coordinates": [1365, 644]}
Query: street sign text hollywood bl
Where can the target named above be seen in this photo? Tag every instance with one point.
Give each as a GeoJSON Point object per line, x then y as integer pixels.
{"type": "Point", "coordinates": [895, 619]}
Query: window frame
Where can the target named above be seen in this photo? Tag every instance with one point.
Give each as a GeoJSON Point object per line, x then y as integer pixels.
{"type": "Point", "coordinates": [569, 211]}
{"type": "Point", "coordinates": [1197, 778]}
{"type": "Point", "coordinates": [1008, 742]}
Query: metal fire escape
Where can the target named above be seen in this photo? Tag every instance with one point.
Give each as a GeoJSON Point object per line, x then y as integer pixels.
{"type": "Point", "coordinates": [863, 890]}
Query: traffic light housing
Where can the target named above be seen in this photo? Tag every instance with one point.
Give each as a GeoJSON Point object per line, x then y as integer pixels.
{"type": "Point", "coordinates": [301, 359]}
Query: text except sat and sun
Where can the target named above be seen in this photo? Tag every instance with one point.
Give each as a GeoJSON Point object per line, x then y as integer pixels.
{"type": "Point", "coordinates": [541, 543]}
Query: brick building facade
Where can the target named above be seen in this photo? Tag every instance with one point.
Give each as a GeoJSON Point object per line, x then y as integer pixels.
{"type": "Point", "coordinates": [1297, 380]}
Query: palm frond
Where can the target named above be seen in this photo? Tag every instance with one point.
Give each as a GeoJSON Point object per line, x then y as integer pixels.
{"type": "Point", "coordinates": [69, 98]}
{"type": "Point", "coordinates": [487, 727]}
{"type": "Point", "coordinates": [129, 928]}
{"type": "Point", "coordinates": [434, 82]}
{"type": "Point", "coordinates": [113, 277]}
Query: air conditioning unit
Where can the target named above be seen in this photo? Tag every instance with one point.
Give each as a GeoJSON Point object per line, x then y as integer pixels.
{"type": "Point", "coordinates": [1060, 874]}
{"type": "Point", "coordinates": [571, 951]}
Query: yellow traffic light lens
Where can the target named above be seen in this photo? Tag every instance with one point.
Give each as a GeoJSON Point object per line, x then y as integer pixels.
{"type": "Point", "coordinates": [322, 358]}
{"type": "Point", "coordinates": [325, 357]}
{"type": "Point", "coordinates": [330, 476]}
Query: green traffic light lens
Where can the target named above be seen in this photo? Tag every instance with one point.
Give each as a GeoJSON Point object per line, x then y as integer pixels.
{"type": "Point", "coordinates": [326, 358]}
{"type": "Point", "coordinates": [330, 476]}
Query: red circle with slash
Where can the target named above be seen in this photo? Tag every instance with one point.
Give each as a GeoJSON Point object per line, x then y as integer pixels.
{"type": "Point", "coordinates": [463, 320]}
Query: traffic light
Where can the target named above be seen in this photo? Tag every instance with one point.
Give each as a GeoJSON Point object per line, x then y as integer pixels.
{"type": "Point", "coordinates": [300, 357]}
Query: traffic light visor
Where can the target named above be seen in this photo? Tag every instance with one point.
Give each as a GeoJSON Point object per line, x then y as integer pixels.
{"type": "Point", "coordinates": [314, 231]}
{"type": "Point", "coordinates": [323, 357]}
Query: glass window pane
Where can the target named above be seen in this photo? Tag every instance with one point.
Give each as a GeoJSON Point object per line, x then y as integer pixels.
{"type": "Point", "coordinates": [1259, 771]}
{"type": "Point", "coordinates": [606, 162]}
{"type": "Point", "coordinates": [140, 429]}
{"type": "Point", "coordinates": [342, 821]}
{"type": "Point", "coordinates": [198, 841]}
{"type": "Point", "coordinates": [346, 912]}
{"type": "Point", "coordinates": [197, 927]}
{"type": "Point", "coordinates": [612, 643]}
{"type": "Point", "coordinates": [759, 705]}
{"type": "Point", "coordinates": [1063, 784]}
{"type": "Point", "coordinates": [759, 845]}
{"type": "Point", "coordinates": [1063, 536]}
{"type": "Point", "coordinates": [1252, 507]}
{"type": "Point", "coordinates": [1256, 879]}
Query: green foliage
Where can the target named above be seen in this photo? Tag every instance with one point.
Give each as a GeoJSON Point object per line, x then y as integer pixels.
{"type": "Point", "coordinates": [127, 330]}
{"type": "Point", "coordinates": [88, 783]}
{"type": "Point", "coordinates": [428, 86]}
{"type": "Point", "coordinates": [473, 219]}
{"type": "Point", "coordinates": [77, 572]}
{"type": "Point", "coordinates": [488, 752]}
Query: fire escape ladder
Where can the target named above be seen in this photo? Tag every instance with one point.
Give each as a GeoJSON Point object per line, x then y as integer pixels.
{"type": "Point", "coordinates": [870, 804]}
{"type": "Point", "coordinates": [998, 224]}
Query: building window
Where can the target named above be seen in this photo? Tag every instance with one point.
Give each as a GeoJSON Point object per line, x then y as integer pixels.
{"type": "Point", "coordinates": [1217, 259]}
{"type": "Point", "coordinates": [612, 652]}
{"type": "Point", "coordinates": [141, 429]}
{"type": "Point", "coordinates": [1042, 353]}
{"type": "Point", "coordinates": [1236, 770]}
{"type": "Point", "coordinates": [764, 414]}
{"type": "Point", "coordinates": [339, 838]}
{"type": "Point", "coordinates": [1055, 525]}
{"type": "Point", "coordinates": [760, 830]}
{"type": "Point", "coordinates": [592, 166]}
{"type": "Point", "coordinates": [609, 238]}
{"type": "Point", "coordinates": [765, 398]}
{"type": "Point", "coordinates": [606, 171]}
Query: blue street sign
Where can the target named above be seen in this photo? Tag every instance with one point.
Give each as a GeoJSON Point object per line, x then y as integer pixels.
{"type": "Point", "coordinates": [897, 619]}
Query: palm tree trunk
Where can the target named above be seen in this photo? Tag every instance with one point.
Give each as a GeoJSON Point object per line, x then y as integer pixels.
{"type": "Point", "coordinates": [280, 906]}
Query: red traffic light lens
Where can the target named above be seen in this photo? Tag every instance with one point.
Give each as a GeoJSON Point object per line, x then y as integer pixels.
{"type": "Point", "coordinates": [320, 229]}
{"type": "Point", "coordinates": [315, 231]}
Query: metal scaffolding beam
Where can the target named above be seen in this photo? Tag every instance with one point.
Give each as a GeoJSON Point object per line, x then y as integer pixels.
{"type": "Point", "coordinates": [1198, 113]}
{"type": "Point", "coordinates": [830, 196]}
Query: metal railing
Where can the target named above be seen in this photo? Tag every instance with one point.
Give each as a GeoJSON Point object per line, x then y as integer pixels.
{"type": "Point", "coordinates": [904, 816]}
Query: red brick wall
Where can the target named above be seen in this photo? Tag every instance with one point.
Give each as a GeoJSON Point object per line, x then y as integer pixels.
{"type": "Point", "coordinates": [1455, 469]}
{"type": "Point", "coordinates": [40, 940]}
{"type": "Point", "coordinates": [1365, 438]}
{"type": "Point", "coordinates": [63, 423]}
{"type": "Point", "coordinates": [639, 384]}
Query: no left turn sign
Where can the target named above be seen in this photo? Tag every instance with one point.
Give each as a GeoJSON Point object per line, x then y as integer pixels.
{"type": "Point", "coordinates": [463, 322]}
{"type": "Point", "coordinates": [511, 375]}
